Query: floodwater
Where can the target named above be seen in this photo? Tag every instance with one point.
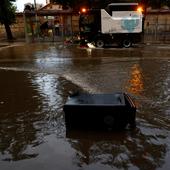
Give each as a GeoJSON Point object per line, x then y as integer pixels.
{"type": "Point", "coordinates": [35, 82]}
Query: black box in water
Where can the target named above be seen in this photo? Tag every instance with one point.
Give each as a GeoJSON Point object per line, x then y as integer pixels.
{"type": "Point", "coordinates": [101, 111]}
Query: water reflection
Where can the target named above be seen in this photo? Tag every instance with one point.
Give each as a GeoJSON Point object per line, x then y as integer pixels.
{"type": "Point", "coordinates": [136, 80]}
{"type": "Point", "coordinates": [17, 116]}
{"type": "Point", "coordinates": [47, 89]}
{"type": "Point", "coordinates": [32, 121]}
{"type": "Point", "coordinates": [89, 52]}
{"type": "Point", "coordinates": [124, 150]}
{"type": "Point", "coordinates": [30, 108]}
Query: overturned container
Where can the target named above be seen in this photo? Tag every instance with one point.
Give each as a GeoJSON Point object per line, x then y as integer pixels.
{"type": "Point", "coordinates": [99, 111]}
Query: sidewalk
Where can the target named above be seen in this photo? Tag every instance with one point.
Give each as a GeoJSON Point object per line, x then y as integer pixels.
{"type": "Point", "coordinates": [4, 43]}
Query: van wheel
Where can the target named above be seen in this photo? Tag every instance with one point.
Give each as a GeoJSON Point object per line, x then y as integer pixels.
{"type": "Point", "coordinates": [100, 43]}
{"type": "Point", "coordinates": [127, 43]}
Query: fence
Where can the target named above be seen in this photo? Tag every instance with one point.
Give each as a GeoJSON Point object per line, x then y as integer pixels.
{"type": "Point", "coordinates": [156, 28]}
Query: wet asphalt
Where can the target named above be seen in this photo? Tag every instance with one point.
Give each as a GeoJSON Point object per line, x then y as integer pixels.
{"type": "Point", "coordinates": [35, 82]}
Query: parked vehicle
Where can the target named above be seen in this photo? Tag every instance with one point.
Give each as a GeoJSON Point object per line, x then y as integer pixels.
{"type": "Point", "coordinates": [120, 23]}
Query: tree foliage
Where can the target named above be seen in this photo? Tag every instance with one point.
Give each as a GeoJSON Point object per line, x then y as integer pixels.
{"type": "Point", "coordinates": [7, 15]}
{"type": "Point", "coordinates": [158, 3]}
{"type": "Point", "coordinates": [75, 4]}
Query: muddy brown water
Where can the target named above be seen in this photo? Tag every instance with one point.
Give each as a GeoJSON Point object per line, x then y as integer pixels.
{"type": "Point", "coordinates": [34, 85]}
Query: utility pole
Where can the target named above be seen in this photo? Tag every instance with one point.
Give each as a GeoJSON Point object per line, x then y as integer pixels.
{"type": "Point", "coordinates": [36, 19]}
{"type": "Point", "coordinates": [35, 5]}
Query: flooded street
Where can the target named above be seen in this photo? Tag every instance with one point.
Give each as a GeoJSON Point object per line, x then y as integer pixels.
{"type": "Point", "coordinates": [35, 82]}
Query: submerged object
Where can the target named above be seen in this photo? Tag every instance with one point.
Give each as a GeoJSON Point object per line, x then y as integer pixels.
{"type": "Point", "coordinates": [99, 111]}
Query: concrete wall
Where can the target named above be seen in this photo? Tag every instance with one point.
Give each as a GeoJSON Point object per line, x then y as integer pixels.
{"type": "Point", "coordinates": [157, 27]}
{"type": "Point", "coordinates": [70, 26]}
{"type": "Point", "coordinates": [17, 28]}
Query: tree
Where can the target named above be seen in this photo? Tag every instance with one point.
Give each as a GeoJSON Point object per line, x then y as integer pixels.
{"type": "Point", "coordinates": [155, 3]}
{"type": "Point", "coordinates": [7, 16]}
{"type": "Point", "coordinates": [65, 3]}
{"type": "Point", "coordinates": [76, 4]}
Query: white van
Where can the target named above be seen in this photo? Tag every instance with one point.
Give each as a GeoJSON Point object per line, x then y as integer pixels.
{"type": "Point", "coordinates": [120, 23]}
